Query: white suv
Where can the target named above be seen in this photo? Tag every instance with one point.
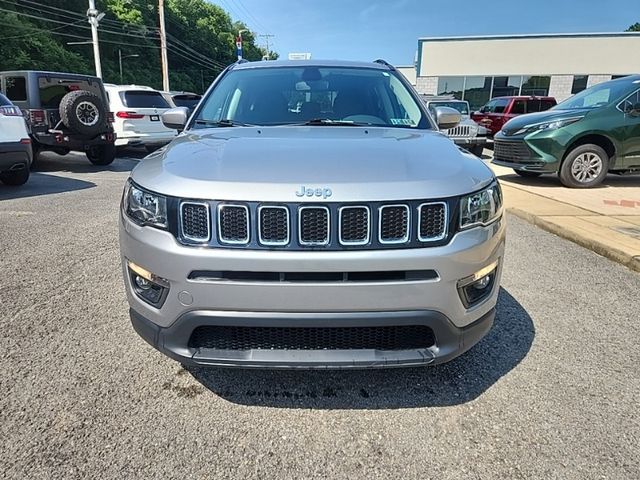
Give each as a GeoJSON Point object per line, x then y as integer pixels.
{"type": "Point", "coordinates": [137, 111]}
{"type": "Point", "coordinates": [15, 144]}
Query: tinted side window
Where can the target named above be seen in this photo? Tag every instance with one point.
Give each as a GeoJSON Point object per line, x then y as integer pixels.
{"type": "Point", "coordinates": [16, 88]}
{"type": "Point", "coordinates": [143, 99]}
{"type": "Point", "coordinates": [546, 105]}
{"type": "Point", "coordinates": [630, 102]}
{"type": "Point", "coordinates": [533, 106]}
{"type": "Point", "coordinates": [519, 106]}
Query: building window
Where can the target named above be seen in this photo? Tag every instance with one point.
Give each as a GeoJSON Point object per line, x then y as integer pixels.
{"type": "Point", "coordinates": [538, 86]}
{"type": "Point", "coordinates": [506, 86]}
{"type": "Point", "coordinates": [477, 91]}
{"type": "Point", "coordinates": [579, 83]}
{"type": "Point", "coordinates": [451, 86]}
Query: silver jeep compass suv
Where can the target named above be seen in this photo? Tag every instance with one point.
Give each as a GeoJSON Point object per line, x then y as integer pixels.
{"type": "Point", "coordinates": [310, 215]}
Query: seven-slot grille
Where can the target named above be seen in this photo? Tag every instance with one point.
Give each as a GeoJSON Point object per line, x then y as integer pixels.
{"type": "Point", "coordinates": [314, 225]}
{"type": "Point", "coordinates": [433, 221]}
{"type": "Point", "coordinates": [354, 225]}
{"type": "Point", "coordinates": [394, 224]}
{"type": "Point", "coordinates": [274, 225]}
{"type": "Point", "coordinates": [233, 223]}
{"type": "Point", "coordinates": [459, 131]}
{"type": "Point", "coordinates": [195, 221]}
{"type": "Point", "coordinates": [333, 227]}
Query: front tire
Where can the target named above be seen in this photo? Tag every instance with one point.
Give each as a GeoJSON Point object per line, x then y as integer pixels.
{"type": "Point", "coordinates": [527, 174]}
{"type": "Point", "coordinates": [15, 178]}
{"type": "Point", "coordinates": [102, 155]}
{"type": "Point", "coordinates": [585, 166]}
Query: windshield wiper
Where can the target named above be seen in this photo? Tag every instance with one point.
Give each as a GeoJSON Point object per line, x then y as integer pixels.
{"type": "Point", "coordinates": [338, 123]}
{"type": "Point", "coordinates": [225, 122]}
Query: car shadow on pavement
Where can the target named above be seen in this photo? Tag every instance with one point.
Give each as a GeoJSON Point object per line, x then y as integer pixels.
{"type": "Point", "coordinates": [78, 163]}
{"type": "Point", "coordinates": [43, 184]}
{"type": "Point", "coordinates": [453, 383]}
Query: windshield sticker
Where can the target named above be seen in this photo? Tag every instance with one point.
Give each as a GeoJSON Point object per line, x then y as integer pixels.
{"type": "Point", "coordinates": [402, 121]}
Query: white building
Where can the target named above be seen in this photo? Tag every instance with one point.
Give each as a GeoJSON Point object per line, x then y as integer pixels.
{"type": "Point", "coordinates": [559, 65]}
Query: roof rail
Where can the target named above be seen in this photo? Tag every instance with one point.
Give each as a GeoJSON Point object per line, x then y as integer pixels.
{"type": "Point", "coordinates": [384, 62]}
{"type": "Point", "coordinates": [243, 60]}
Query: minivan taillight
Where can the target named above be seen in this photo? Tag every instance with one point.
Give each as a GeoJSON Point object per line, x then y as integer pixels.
{"type": "Point", "coordinates": [130, 115]}
{"type": "Point", "coordinates": [10, 111]}
{"type": "Point", "coordinates": [37, 117]}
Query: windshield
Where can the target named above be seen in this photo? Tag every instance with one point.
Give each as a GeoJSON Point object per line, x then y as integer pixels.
{"type": "Point", "coordinates": [297, 95]}
{"type": "Point", "coordinates": [462, 107]}
{"type": "Point", "coordinates": [496, 105]}
{"type": "Point", "coordinates": [596, 96]}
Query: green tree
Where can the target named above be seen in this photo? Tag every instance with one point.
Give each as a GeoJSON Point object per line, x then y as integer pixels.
{"type": "Point", "coordinates": [634, 28]}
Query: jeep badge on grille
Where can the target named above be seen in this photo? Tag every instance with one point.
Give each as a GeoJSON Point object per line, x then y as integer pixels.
{"type": "Point", "coordinates": [314, 192]}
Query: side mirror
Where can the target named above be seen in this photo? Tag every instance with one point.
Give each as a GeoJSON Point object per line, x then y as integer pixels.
{"type": "Point", "coordinates": [176, 118]}
{"type": "Point", "coordinates": [447, 117]}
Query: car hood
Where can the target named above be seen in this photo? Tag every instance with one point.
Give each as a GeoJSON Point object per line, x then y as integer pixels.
{"type": "Point", "coordinates": [271, 164]}
{"type": "Point", "coordinates": [521, 121]}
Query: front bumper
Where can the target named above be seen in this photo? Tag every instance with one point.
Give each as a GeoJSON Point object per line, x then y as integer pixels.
{"type": "Point", "coordinates": [535, 152]}
{"type": "Point", "coordinates": [466, 141]}
{"type": "Point", "coordinates": [191, 303]}
{"type": "Point", "coordinates": [15, 156]}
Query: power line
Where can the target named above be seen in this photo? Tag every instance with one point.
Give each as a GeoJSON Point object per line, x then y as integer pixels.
{"type": "Point", "coordinates": [189, 56]}
{"type": "Point", "coordinates": [41, 30]}
{"type": "Point", "coordinates": [196, 53]}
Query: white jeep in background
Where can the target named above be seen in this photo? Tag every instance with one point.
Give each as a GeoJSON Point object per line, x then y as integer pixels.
{"type": "Point", "coordinates": [468, 134]}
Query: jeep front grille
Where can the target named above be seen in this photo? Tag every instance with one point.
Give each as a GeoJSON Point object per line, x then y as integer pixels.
{"type": "Point", "coordinates": [233, 224]}
{"type": "Point", "coordinates": [394, 224]}
{"type": "Point", "coordinates": [273, 226]}
{"type": "Point", "coordinates": [394, 337]}
{"type": "Point", "coordinates": [433, 221]}
{"type": "Point", "coordinates": [354, 225]}
{"type": "Point", "coordinates": [314, 226]}
{"type": "Point", "coordinates": [459, 131]}
{"type": "Point", "coordinates": [195, 221]}
{"type": "Point", "coordinates": [301, 226]}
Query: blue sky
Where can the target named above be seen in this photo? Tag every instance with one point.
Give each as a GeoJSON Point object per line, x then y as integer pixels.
{"type": "Point", "coordinates": [389, 29]}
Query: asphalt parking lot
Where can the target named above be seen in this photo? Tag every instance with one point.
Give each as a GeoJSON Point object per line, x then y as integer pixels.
{"type": "Point", "coordinates": [551, 392]}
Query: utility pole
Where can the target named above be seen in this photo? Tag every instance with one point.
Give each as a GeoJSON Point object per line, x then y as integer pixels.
{"type": "Point", "coordinates": [163, 47]}
{"type": "Point", "coordinates": [95, 17]}
{"type": "Point", "coordinates": [266, 40]}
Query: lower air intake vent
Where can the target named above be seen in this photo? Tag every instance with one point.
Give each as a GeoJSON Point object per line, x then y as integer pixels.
{"type": "Point", "coordinates": [394, 224]}
{"type": "Point", "coordinates": [233, 224]}
{"type": "Point", "coordinates": [403, 337]}
{"type": "Point", "coordinates": [314, 225]}
{"type": "Point", "coordinates": [195, 221]}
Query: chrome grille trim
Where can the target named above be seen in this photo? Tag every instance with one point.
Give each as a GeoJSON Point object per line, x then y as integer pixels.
{"type": "Point", "coordinates": [459, 131]}
{"type": "Point", "coordinates": [357, 242]}
{"type": "Point", "coordinates": [316, 244]}
{"type": "Point", "coordinates": [288, 222]}
{"type": "Point", "coordinates": [404, 239]}
{"type": "Point", "coordinates": [243, 241]}
{"type": "Point", "coordinates": [446, 222]}
{"type": "Point", "coordinates": [181, 221]}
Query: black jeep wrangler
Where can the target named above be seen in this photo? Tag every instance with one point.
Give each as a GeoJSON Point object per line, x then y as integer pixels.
{"type": "Point", "coordinates": [64, 112]}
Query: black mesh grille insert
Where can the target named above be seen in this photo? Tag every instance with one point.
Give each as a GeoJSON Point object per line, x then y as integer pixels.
{"type": "Point", "coordinates": [274, 225]}
{"type": "Point", "coordinates": [234, 225]}
{"type": "Point", "coordinates": [511, 151]}
{"type": "Point", "coordinates": [394, 223]}
{"type": "Point", "coordinates": [433, 221]}
{"type": "Point", "coordinates": [195, 221]}
{"type": "Point", "coordinates": [402, 337]}
{"type": "Point", "coordinates": [354, 225]}
{"type": "Point", "coordinates": [314, 225]}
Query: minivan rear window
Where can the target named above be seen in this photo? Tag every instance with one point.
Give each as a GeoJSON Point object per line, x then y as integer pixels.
{"type": "Point", "coordinates": [143, 99]}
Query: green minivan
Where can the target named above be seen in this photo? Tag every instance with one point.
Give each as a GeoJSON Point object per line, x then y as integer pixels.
{"type": "Point", "coordinates": [595, 132]}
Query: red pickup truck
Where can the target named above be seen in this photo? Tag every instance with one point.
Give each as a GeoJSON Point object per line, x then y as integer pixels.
{"type": "Point", "coordinates": [500, 110]}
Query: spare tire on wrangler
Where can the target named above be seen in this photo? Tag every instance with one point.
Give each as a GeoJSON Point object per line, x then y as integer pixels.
{"type": "Point", "coordinates": [83, 112]}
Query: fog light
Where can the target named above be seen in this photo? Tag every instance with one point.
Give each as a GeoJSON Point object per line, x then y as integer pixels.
{"type": "Point", "coordinates": [148, 286]}
{"type": "Point", "coordinates": [477, 287]}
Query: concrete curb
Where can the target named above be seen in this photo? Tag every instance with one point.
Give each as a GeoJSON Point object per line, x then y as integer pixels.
{"type": "Point", "coordinates": [596, 246]}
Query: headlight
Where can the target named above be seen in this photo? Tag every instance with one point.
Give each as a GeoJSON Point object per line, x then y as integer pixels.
{"type": "Point", "coordinates": [548, 125]}
{"type": "Point", "coordinates": [481, 208]}
{"type": "Point", "coordinates": [143, 207]}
